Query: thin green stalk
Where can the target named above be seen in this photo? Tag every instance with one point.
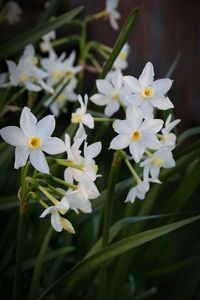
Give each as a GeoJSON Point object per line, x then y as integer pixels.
{"type": "Point", "coordinates": [38, 265]}
{"type": "Point", "coordinates": [20, 233]}
{"type": "Point", "coordinates": [65, 40]}
{"type": "Point", "coordinates": [108, 217]}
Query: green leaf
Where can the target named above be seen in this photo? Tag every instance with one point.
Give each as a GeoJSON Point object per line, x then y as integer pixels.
{"type": "Point", "coordinates": [116, 249]}
{"type": "Point", "coordinates": [49, 11]}
{"type": "Point", "coordinates": [187, 134]}
{"type": "Point", "coordinates": [36, 33]}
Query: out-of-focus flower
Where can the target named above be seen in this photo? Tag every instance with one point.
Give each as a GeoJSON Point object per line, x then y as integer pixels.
{"type": "Point", "coordinates": [58, 223]}
{"type": "Point", "coordinates": [111, 94]}
{"type": "Point", "coordinates": [81, 117]}
{"type": "Point", "coordinates": [113, 14]}
{"type": "Point", "coordinates": [45, 45]}
{"type": "Point", "coordinates": [121, 60]}
{"type": "Point", "coordinates": [32, 139]}
{"type": "Point", "coordinates": [162, 158]}
{"type": "Point", "coordinates": [11, 12]}
{"type": "Point", "coordinates": [59, 68]}
{"type": "Point", "coordinates": [148, 93]}
{"type": "Point", "coordinates": [136, 133]}
{"type": "Point", "coordinates": [138, 191]}
{"type": "Point", "coordinates": [67, 94]}
{"type": "Point", "coordinates": [167, 138]}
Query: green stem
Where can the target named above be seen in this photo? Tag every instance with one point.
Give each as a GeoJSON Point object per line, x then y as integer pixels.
{"type": "Point", "coordinates": [65, 40]}
{"type": "Point", "coordinates": [130, 167]}
{"type": "Point", "coordinates": [69, 163]}
{"type": "Point", "coordinates": [38, 265]}
{"type": "Point", "coordinates": [97, 119]}
{"type": "Point", "coordinates": [107, 218]}
{"type": "Point", "coordinates": [20, 233]}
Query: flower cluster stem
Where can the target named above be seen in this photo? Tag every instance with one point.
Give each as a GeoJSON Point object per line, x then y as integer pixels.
{"type": "Point", "coordinates": [107, 217]}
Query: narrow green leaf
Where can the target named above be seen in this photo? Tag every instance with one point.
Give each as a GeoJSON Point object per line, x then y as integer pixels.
{"type": "Point", "coordinates": [116, 249]}
{"type": "Point", "coordinates": [187, 134]}
{"type": "Point", "coordinates": [34, 34]}
{"type": "Point", "coordinates": [49, 11]}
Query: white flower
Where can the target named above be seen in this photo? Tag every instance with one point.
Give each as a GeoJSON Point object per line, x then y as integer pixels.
{"type": "Point", "coordinates": [114, 15]}
{"type": "Point", "coordinates": [111, 93]}
{"type": "Point", "coordinates": [138, 191]}
{"type": "Point", "coordinates": [67, 94]}
{"type": "Point", "coordinates": [59, 68]}
{"type": "Point", "coordinates": [81, 117]}
{"type": "Point", "coordinates": [11, 11]}
{"type": "Point", "coordinates": [136, 133]}
{"type": "Point", "coordinates": [79, 199]}
{"type": "Point", "coordinates": [26, 73]}
{"type": "Point", "coordinates": [148, 93]}
{"type": "Point", "coordinates": [121, 60]}
{"type": "Point", "coordinates": [89, 168]}
{"type": "Point", "coordinates": [162, 158]}
{"type": "Point", "coordinates": [32, 139]}
{"type": "Point", "coordinates": [168, 138]}
{"type": "Point", "coordinates": [45, 45]}
{"type": "Point", "coordinates": [57, 222]}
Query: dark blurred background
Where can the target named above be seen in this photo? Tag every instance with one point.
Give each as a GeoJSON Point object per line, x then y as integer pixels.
{"type": "Point", "coordinates": [163, 30]}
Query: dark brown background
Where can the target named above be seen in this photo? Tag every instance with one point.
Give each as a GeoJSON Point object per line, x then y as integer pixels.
{"type": "Point", "coordinates": [164, 28]}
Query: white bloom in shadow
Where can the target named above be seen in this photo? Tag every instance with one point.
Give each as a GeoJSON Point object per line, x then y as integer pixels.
{"type": "Point", "coordinates": [113, 14]}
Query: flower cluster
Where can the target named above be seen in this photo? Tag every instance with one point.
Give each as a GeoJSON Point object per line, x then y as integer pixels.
{"type": "Point", "coordinates": [150, 142]}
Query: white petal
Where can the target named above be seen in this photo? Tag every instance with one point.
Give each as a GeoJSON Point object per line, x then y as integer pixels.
{"type": "Point", "coordinates": [147, 109]}
{"type": "Point", "coordinates": [99, 99]}
{"type": "Point", "coordinates": [104, 86]}
{"type": "Point", "coordinates": [32, 87]}
{"type": "Point", "coordinates": [46, 126]}
{"type": "Point", "coordinates": [112, 108]}
{"type": "Point", "coordinates": [92, 150]}
{"type": "Point", "coordinates": [162, 85]}
{"type": "Point", "coordinates": [47, 211]}
{"type": "Point", "coordinates": [121, 127]}
{"type": "Point", "coordinates": [131, 195]}
{"type": "Point", "coordinates": [146, 78]}
{"type": "Point", "coordinates": [28, 122]}
{"type": "Point", "coordinates": [132, 83]}
{"type": "Point", "coordinates": [154, 171]}
{"type": "Point", "coordinates": [117, 80]}
{"type": "Point", "coordinates": [137, 150]}
{"type": "Point", "coordinates": [88, 120]}
{"type": "Point", "coordinates": [151, 141]}
{"type": "Point", "coordinates": [68, 175]}
{"type": "Point", "coordinates": [134, 99]}
{"type": "Point", "coordinates": [13, 135]}
{"type": "Point", "coordinates": [55, 222]}
{"type": "Point", "coordinates": [53, 145]}
{"type": "Point", "coordinates": [38, 161]}
{"type": "Point", "coordinates": [162, 103]}
{"type": "Point", "coordinates": [21, 156]}
{"type": "Point", "coordinates": [151, 126]}
{"type": "Point", "coordinates": [120, 142]}
{"type": "Point", "coordinates": [134, 116]}
{"type": "Point", "coordinates": [80, 133]}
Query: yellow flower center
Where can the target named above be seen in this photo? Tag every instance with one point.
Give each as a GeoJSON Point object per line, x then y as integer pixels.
{"type": "Point", "coordinates": [61, 99]}
{"type": "Point", "coordinates": [69, 74]}
{"type": "Point", "coordinates": [35, 142]}
{"type": "Point", "coordinates": [57, 74]}
{"type": "Point", "coordinates": [157, 162]}
{"type": "Point", "coordinates": [136, 135]}
{"type": "Point", "coordinates": [115, 95]}
{"type": "Point", "coordinates": [23, 77]}
{"type": "Point", "coordinates": [147, 92]}
{"type": "Point", "coordinates": [75, 118]}
{"type": "Point", "coordinates": [123, 55]}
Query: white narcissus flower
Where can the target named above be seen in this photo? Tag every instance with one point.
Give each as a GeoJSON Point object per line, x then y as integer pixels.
{"type": "Point", "coordinates": [111, 93]}
{"type": "Point", "coordinates": [67, 94]}
{"type": "Point", "coordinates": [138, 191]}
{"type": "Point", "coordinates": [121, 60]}
{"type": "Point", "coordinates": [57, 222]}
{"type": "Point", "coordinates": [147, 93]}
{"type": "Point", "coordinates": [113, 14]}
{"type": "Point", "coordinates": [11, 12]}
{"type": "Point", "coordinates": [89, 168]}
{"type": "Point", "coordinates": [162, 158]}
{"type": "Point", "coordinates": [45, 45]}
{"type": "Point", "coordinates": [80, 198]}
{"type": "Point", "coordinates": [81, 117]}
{"type": "Point", "coordinates": [167, 138]}
{"type": "Point", "coordinates": [136, 133]}
{"type": "Point", "coordinates": [31, 139]}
